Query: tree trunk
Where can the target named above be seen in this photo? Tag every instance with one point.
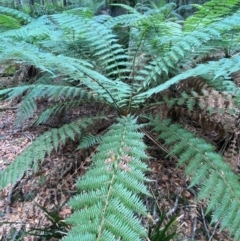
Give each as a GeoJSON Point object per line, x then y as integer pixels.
{"type": "Point", "coordinates": [180, 3]}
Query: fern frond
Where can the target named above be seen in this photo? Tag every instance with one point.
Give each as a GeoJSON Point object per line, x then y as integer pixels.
{"type": "Point", "coordinates": [45, 90]}
{"type": "Point", "coordinates": [102, 41]}
{"type": "Point", "coordinates": [28, 104]}
{"type": "Point", "coordinates": [42, 146]}
{"type": "Point", "coordinates": [8, 22]}
{"type": "Point", "coordinates": [88, 141]}
{"type": "Point", "coordinates": [83, 12]}
{"type": "Point", "coordinates": [208, 100]}
{"type": "Point", "coordinates": [106, 206]}
{"type": "Point", "coordinates": [220, 68]}
{"type": "Point", "coordinates": [58, 109]}
{"type": "Point", "coordinates": [10, 93]}
{"type": "Point", "coordinates": [209, 12]}
{"type": "Point", "coordinates": [207, 169]}
{"type": "Point", "coordinates": [114, 92]}
{"type": "Point", "coordinates": [22, 17]}
{"type": "Point", "coordinates": [37, 31]}
{"type": "Point", "coordinates": [189, 45]}
{"type": "Point", "coordinates": [123, 20]}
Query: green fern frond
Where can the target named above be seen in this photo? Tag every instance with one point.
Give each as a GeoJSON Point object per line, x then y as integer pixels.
{"type": "Point", "coordinates": [51, 92]}
{"type": "Point", "coordinates": [9, 22]}
{"type": "Point", "coordinates": [37, 31]}
{"type": "Point", "coordinates": [27, 107]}
{"type": "Point", "coordinates": [48, 91]}
{"type": "Point", "coordinates": [209, 12]}
{"type": "Point", "coordinates": [187, 46]}
{"type": "Point", "coordinates": [207, 169]}
{"type": "Point", "coordinates": [180, 50]}
{"type": "Point", "coordinates": [123, 20]}
{"type": "Point", "coordinates": [220, 68]}
{"type": "Point", "coordinates": [42, 146]}
{"type": "Point", "coordinates": [57, 109]}
{"type": "Point", "coordinates": [20, 16]}
{"type": "Point", "coordinates": [10, 93]}
{"type": "Point", "coordinates": [102, 41]}
{"type": "Point", "coordinates": [88, 141]}
{"type": "Point", "coordinates": [83, 12]}
{"type": "Point", "coordinates": [109, 199]}
{"type": "Point", "coordinates": [114, 92]}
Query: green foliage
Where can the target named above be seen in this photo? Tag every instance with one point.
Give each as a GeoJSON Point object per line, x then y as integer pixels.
{"type": "Point", "coordinates": [159, 233]}
{"type": "Point", "coordinates": [87, 62]}
{"type": "Point", "coordinates": [8, 22]}
{"type": "Point", "coordinates": [57, 229]}
{"type": "Point", "coordinates": [17, 15]}
{"type": "Point", "coordinates": [207, 169]}
{"type": "Point", "coordinates": [88, 141]}
{"type": "Point", "coordinates": [211, 11]}
{"type": "Point", "coordinates": [42, 146]}
{"type": "Point", "coordinates": [104, 210]}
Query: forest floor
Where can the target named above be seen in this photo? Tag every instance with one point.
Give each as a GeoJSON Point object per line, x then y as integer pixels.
{"type": "Point", "coordinates": [29, 205]}
{"type": "Point", "coordinates": [37, 203]}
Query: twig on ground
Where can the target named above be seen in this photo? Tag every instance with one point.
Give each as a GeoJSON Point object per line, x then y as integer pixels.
{"type": "Point", "coordinates": [204, 223]}
{"type": "Point", "coordinates": [8, 108]}
{"type": "Point", "coordinates": [194, 228]}
{"type": "Point", "coordinates": [16, 233]}
{"type": "Point", "coordinates": [10, 193]}
{"type": "Point", "coordinates": [171, 211]}
{"type": "Point", "coordinates": [28, 136]}
{"type": "Point", "coordinates": [214, 230]}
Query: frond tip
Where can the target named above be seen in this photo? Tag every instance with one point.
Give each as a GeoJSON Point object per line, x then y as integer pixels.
{"type": "Point", "coordinates": [109, 198]}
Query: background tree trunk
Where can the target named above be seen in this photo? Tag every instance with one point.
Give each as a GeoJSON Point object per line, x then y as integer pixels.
{"type": "Point", "coordinates": [186, 2]}
{"type": "Point", "coordinates": [17, 4]}
{"type": "Point", "coordinates": [31, 2]}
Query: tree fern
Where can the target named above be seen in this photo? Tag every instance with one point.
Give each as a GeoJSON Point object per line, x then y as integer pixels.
{"type": "Point", "coordinates": [105, 209]}
{"type": "Point", "coordinates": [161, 54]}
